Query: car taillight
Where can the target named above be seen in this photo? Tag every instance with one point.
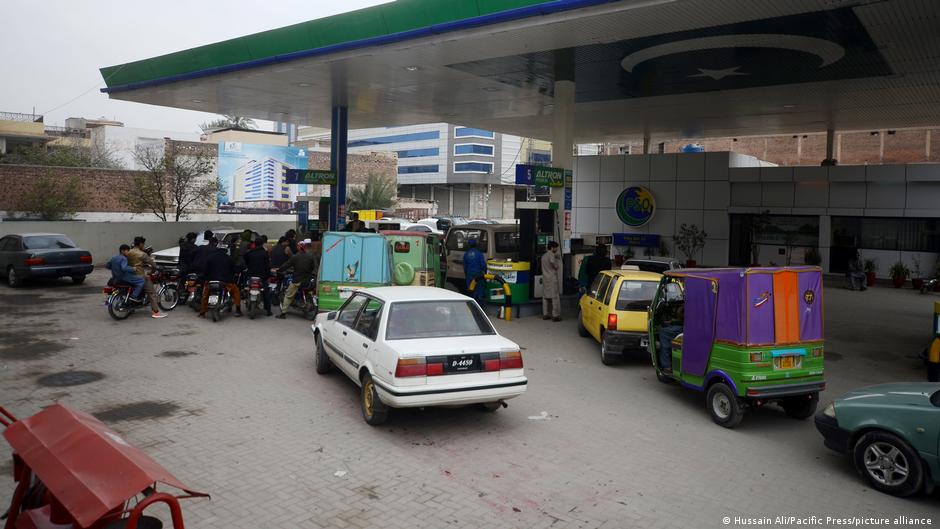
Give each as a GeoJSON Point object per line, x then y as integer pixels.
{"type": "Point", "coordinates": [35, 261]}
{"type": "Point", "coordinates": [490, 361]}
{"type": "Point", "coordinates": [757, 357]}
{"type": "Point", "coordinates": [611, 322]}
{"type": "Point", "coordinates": [107, 290]}
{"type": "Point", "coordinates": [411, 367]}
{"type": "Point", "coordinates": [435, 369]}
{"type": "Point", "coordinates": [510, 360]}
{"type": "Point", "coordinates": [85, 258]}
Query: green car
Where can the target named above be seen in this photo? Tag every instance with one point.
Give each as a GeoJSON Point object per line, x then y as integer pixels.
{"type": "Point", "coordinates": [892, 433]}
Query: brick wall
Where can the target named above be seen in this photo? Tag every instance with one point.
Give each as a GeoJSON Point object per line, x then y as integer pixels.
{"type": "Point", "coordinates": [102, 187]}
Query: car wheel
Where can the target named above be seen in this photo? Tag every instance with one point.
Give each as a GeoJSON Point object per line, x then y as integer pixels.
{"type": "Point", "coordinates": [606, 358]}
{"type": "Point", "coordinates": [582, 330]}
{"type": "Point", "coordinates": [323, 363]}
{"type": "Point", "coordinates": [724, 406]}
{"type": "Point", "coordinates": [374, 411]}
{"type": "Point", "coordinates": [78, 280]}
{"type": "Point", "coordinates": [490, 406]}
{"type": "Point", "coordinates": [802, 407]}
{"type": "Point", "coordinates": [13, 280]}
{"type": "Point", "coordinates": [889, 464]}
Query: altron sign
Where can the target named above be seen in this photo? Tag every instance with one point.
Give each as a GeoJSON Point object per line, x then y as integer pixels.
{"type": "Point", "coordinates": [635, 206]}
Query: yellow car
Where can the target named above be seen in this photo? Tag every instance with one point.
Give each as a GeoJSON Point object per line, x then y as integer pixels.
{"type": "Point", "coordinates": [614, 311]}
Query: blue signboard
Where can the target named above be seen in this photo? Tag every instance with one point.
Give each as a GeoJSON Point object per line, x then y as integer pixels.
{"type": "Point", "coordinates": [567, 198]}
{"type": "Point", "coordinates": [636, 239]}
{"type": "Point", "coordinates": [303, 212]}
{"type": "Point", "coordinates": [309, 176]}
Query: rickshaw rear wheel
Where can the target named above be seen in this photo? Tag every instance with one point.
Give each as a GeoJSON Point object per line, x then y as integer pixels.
{"type": "Point", "coordinates": [724, 406]}
{"type": "Point", "coordinates": [802, 407]}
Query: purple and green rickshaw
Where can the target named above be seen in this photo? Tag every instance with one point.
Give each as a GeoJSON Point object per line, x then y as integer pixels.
{"type": "Point", "coordinates": [748, 337]}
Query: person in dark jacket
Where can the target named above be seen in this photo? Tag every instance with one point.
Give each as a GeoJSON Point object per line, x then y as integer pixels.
{"type": "Point", "coordinates": [187, 251]}
{"type": "Point", "coordinates": [220, 267]}
{"type": "Point", "coordinates": [291, 236]}
{"type": "Point", "coordinates": [305, 268]}
{"type": "Point", "coordinates": [258, 264]}
{"type": "Point", "coordinates": [597, 263]}
{"type": "Point", "coordinates": [201, 253]}
{"type": "Point", "coordinates": [280, 253]}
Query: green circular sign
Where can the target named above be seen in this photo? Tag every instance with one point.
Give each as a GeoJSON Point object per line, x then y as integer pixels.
{"type": "Point", "coordinates": [635, 206]}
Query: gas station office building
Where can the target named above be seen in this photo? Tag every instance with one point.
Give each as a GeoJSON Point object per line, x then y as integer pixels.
{"type": "Point", "coordinates": [888, 212]}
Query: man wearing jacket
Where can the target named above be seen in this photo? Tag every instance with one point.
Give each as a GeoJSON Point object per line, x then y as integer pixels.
{"type": "Point", "coordinates": [140, 260]}
{"type": "Point", "coordinates": [121, 272]}
{"type": "Point", "coordinates": [220, 267]}
{"type": "Point", "coordinates": [305, 267]}
{"type": "Point", "coordinates": [258, 263]}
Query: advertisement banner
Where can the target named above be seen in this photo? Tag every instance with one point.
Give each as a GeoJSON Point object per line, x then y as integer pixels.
{"type": "Point", "coordinates": [537, 175]}
{"type": "Point", "coordinates": [253, 177]}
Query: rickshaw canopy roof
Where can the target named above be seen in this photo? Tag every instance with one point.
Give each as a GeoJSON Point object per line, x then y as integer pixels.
{"type": "Point", "coordinates": [88, 467]}
{"type": "Point", "coordinates": [756, 306]}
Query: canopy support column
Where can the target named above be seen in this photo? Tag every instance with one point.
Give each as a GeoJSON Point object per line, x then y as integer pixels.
{"type": "Point", "coordinates": [830, 148]}
{"type": "Point", "coordinates": [338, 139]}
{"type": "Point", "coordinates": [562, 147]}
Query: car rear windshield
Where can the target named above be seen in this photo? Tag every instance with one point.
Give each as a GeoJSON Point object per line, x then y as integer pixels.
{"type": "Point", "coordinates": [507, 241]}
{"type": "Point", "coordinates": [47, 242]}
{"type": "Point", "coordinates": [436, 319]}
{"type": "Point", "coordinates": [635, 295]}
{"type": "Point", "coordinates": [649, 266]}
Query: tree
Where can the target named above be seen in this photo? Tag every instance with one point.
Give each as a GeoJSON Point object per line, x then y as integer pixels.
{"type": "Point", "coordinates": [379, 193]}
{"type": "Point", "coordinates": [172, 184]}
{"type": "Point", "coordinates": [227, 121]}
{"type": "Point", "coordinates": [690, 240]}
{"type": "Point", "coordinates": [52, 198]}
{"type": "Point", "coordinates": [97, 154]}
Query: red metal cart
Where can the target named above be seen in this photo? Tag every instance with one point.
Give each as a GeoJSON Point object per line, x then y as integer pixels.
{"type": "Point", "coordinates": [73, 472]}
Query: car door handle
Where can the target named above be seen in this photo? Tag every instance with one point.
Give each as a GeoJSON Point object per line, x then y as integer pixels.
{"type": "Point", "coordinates": [344, 333]}
{"type": "Point", "coordinates": [365, 345]}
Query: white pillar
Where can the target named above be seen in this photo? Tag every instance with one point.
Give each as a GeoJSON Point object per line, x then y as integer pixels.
{"type": "Point", "coordinates": [562, 145]}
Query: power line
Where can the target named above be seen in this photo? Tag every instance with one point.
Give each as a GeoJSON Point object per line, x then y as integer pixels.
{"type": "Point", "coordinates": [96, 85]}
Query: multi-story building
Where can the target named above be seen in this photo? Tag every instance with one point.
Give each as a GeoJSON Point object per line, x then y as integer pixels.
{"type": "Point", "coordinates": [260, 180]}
{"type": "Point", "coordinates": [461, 170]}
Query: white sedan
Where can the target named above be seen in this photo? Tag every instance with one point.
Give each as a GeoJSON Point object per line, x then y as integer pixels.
{"type": "Point", "coordinates": [412, 347]}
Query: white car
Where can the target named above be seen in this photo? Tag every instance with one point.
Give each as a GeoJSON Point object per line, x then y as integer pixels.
{"type": "Point", "coordinates": [170, 257]}
{"type": "Point", "coordinates": [410, 347]}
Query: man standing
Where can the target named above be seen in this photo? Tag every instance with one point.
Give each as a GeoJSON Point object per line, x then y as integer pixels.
{"type": "Point", "coordinates": [140, 261]}
{"type": "Point", "coordinates": [258, 263]}
{"type": "Point", "coordinates": [856, 272]}
{"type": "Point", "coordinates": [121, 272]}
{"type": "Point", "coordinates": [187, 251]}
{"type": "Point", "coordinates": [551, 279]}
{"type": "Point", "coordinates": [305, 267]}
{"type": "Point", "coordinates": [220, 267]}
{"type": "Point", "coordinates": [201, 254]}
{"type": "Point", "coordinates": [474, 266]}
{"type": "Point", "coordinates": [597, 263]}
{"type": "Point", "coordinates": [355, 224]}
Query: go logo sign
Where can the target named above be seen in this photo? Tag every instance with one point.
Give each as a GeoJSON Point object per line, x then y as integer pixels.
{"type": "Point", "coordinates": [635, 206]}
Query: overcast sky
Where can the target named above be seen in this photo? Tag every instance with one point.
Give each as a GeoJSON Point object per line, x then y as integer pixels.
{"type": "Point", "coordinates": [54, 48]}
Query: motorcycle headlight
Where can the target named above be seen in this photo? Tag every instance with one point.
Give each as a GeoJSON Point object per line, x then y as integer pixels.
{"type": "Point", "coordinates": [830, 410]}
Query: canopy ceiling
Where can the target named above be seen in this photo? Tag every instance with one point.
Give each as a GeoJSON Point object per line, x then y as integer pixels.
{"type": "Point", "coordinates": [669, 68]}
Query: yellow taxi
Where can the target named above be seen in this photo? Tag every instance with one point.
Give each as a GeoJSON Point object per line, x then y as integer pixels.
{"type": "Point", "coordinates": [614, 311]}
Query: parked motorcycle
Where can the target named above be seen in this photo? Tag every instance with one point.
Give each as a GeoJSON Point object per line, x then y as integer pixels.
{"type": "Point", "coordinates": [166, 283]}
{"type": "Point", "coordinates": [219, 299]}
{"type": "Point", "coordinates": [929, 285]}
{"type": "Point", "coordinates": [254, 298]}
{"type": "Point", "coordinates": [194, 286]}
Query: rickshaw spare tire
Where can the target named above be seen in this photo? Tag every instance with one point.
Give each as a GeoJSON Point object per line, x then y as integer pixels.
{"type": "Point", "coordinates": [403, 274]}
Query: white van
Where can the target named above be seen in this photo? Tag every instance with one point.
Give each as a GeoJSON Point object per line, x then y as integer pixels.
{"type": "Point", "coordinates": [496, 241]}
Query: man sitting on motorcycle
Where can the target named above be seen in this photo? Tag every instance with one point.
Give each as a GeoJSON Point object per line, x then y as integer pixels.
{"type": "Point", "coordinates": [121, 272]}
{"type": "Point", "coordinates": [258, 264]}
{"type": "Point", "coordinates": [220, 267]}
{"type": "Point", "coordinates": [140, 260]}
{"type": "Point", "coordinates": [305, 267]}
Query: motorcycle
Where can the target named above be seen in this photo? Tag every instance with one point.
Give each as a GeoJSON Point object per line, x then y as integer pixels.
{"type": "Point", "coordinates": [119, 302]}
{"type": "Point", "coordinates": [166, 283]}
{"type": "Point", "coordinates": [929, 285]}
{"type": "Point", "coordinates": [254, 295]}
{"type": "Point", "coordinates": [194, 286]}
{"type": "Point", "coordinates": [219, 299]}
{"type": "Point", "coordinates": [305, 299]}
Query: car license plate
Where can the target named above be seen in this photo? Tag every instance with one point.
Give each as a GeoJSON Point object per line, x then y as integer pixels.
{"type": "Point", "coordinates": [462, 364]}
{"type": "Point", "coordinates": [213, 299]}
{"type": "Point", "coordinates": [644, 342]}
{"type": "Point", "coordinates": [255, 292]}
{"type": "Point", "coordinates": [787, 362]}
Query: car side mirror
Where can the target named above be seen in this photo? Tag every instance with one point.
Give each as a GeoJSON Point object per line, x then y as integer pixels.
{"type": "Point", "coordinates": [331, 315]}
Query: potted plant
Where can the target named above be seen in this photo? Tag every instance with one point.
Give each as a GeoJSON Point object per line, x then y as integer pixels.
{"type": "Point", "coordinates": [690, 241]}
{"type": "Point", "coordinates": [870, 267]}
{"type": "Point", "coordinates": [917, 280]}
{"type": "Point", "coordinates": [899, 274]}
{"type": "Point", "coordinates": [812, 257]}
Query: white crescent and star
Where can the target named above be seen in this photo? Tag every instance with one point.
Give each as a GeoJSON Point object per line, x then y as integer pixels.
{"type": "Point", "coordinates": [828, 52]}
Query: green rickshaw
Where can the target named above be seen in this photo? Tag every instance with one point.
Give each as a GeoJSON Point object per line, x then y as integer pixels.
{"type": "Point", "coordinates": [416, 258]}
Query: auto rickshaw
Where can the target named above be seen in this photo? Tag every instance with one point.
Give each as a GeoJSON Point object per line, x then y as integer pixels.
{"type": "Point", "coordinates": [932, 353]}
{"type": "Point", "coordinates": [351, 261]}
{"type": "Point", "coordinates": [744, 336]}
{"type": "Point", "coordinates": [416, 258]}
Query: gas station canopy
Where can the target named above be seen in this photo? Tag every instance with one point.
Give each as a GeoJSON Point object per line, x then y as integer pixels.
{"type": "Point", "coordinates": [676, 68]}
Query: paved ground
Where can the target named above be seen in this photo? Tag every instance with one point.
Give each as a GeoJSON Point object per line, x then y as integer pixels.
{"type": "Point", "coordinates": [236, 409]}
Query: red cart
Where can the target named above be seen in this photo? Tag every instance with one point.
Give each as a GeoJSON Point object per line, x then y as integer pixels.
{"type": "Point", "coordinates": [73, 472]}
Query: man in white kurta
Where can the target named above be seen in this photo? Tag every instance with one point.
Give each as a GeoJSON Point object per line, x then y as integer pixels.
{"type": "Point", "coordinates": [551, 283]}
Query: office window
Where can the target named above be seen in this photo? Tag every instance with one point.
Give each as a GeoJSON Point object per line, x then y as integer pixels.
{"type": "Point", "coordinates": [418, 153]}
{"type": "Point", "coordinates": [876, 233]}
{"type": "Point", "coordinates": [398, 138]}
{"type": "Point", "coordinates": [540, 157]}
{"type": "Point", "coordinates": [473, 167]}
{"type": "Point", "coordinates": [414, 169]}
{"type": "Point", "coordinates": [468, 132]}
{"type": "Point", "coordinates": [473, 148]}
